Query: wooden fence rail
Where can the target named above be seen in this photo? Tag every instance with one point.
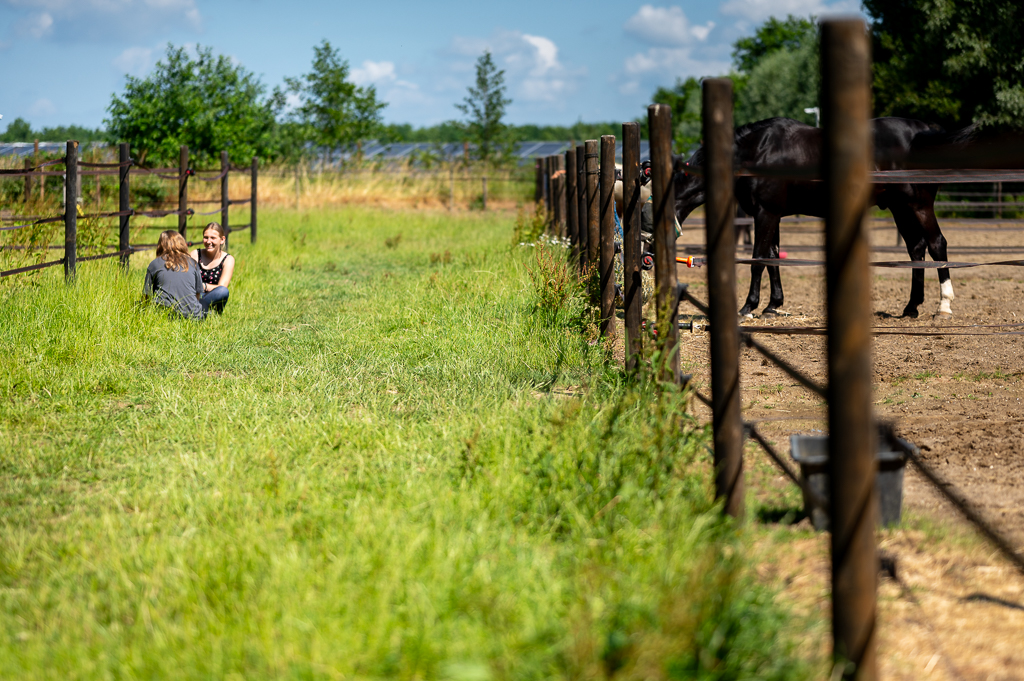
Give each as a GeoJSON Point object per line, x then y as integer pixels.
{"type": "Point", "coordinates": [72, 173]}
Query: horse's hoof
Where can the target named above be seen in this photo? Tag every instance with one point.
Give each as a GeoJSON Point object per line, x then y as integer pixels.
{"type": "Point", "coordinates": [746, 311]}
{"type": "Point", "coordinates": [773, 312]}
{"type": "Point", "coordinates": [943, 316]}
{"type": "Point", "coordinates": [910, 312]}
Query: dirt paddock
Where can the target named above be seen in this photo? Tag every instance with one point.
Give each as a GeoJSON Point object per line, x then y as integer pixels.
{"type": "Point", "coordinates": [959, 609]}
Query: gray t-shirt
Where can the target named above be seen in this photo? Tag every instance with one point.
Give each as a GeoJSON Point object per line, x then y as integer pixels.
{"type": "Point", "coordinates": [175, 289]}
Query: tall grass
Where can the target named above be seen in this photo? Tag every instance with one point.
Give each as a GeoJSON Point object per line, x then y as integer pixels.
{"type": "Point", "coordinates": [377, 463]}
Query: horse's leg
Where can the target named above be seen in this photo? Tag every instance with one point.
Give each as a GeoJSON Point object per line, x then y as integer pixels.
{"type": "Point", "coordinates": [937, 249]}
{"type": "Point", "coordinates": [774, 277]}
{"type": "Point", "coordinates": [910, 228]}
{"type": "Point", "coordinates": [763, 239]}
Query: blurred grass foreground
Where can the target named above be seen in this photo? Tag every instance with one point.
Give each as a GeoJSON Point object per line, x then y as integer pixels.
{"type": "Point", "coordinates": [394, 456]}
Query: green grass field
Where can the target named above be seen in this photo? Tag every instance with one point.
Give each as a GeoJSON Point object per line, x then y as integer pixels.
{"type": "Point", "coordinates": [383, 461]}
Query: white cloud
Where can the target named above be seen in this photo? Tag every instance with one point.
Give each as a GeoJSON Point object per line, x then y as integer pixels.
{"type": "Point", "coordinates": [759, 10]}
{"type": "Point", "coordinates": [36, 25]}
{"type": "Point", "coordinates": [95, 19]}
{"type": "Point", "coordinates": [672, 62]}
{"type": "Point", "coordinates": [665, 26]}
{"type": "Point", "coordinates": [532, 68]}
{"type": "Point", "coordinates": [42, 107]}
{"type": "Point", "coordinates": [374, 73]}
{"type": "Point", "coordinates": [134, 61]}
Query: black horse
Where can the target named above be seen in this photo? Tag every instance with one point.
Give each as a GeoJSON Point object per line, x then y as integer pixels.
{"type": "Point", "coordinates": [785, 142]}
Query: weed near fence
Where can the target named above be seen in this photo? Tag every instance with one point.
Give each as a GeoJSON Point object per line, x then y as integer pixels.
{"type": "Point", "coordinates": [372, 465]}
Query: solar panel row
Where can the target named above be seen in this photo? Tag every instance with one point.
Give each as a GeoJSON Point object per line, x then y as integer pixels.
{"type": "Point", "coordinates": [374, 150]}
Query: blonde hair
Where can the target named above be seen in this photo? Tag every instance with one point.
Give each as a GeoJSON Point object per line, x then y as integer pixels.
{"type": "Point", "coordinates": [217, 226]}
{"type": "Point", "coordinates": [173, 249]}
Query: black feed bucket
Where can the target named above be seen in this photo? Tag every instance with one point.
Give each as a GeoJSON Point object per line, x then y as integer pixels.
{"type": "Point", "coordinates": [811, 452]}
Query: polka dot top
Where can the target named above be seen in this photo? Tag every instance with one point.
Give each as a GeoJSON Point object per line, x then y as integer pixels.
{"type": "Point", "coordinates": [213, 274]}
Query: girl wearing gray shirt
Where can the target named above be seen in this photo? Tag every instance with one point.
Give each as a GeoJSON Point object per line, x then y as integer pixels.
{"type": "Point", "coordinates": [173, 279]}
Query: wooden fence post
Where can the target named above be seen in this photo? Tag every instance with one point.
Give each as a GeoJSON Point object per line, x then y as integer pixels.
{"type": "Point", "coordinates": [485, 192]}
{"type": "Point", "coordinates": [28, 182]}
{"type": "Point", "coordinates": [538, 179]}
{"type": "Point", "coordinates": [225, 199]}
{"type": "Point", "coordinates": [572, 205]}
{"type": "Point", "coordinates": [42, 178]}
{"type": "Point", "coordinates": [724, 335]}
{"type": "Point", "coordinates": [659, 122]}
{"type": "Point", "coordinates": [182, 190]}
{"type": "Point", "coordinates": [71, 211]}
{"type": "Point", "coordinates": [607, 225]}
{"type": "Point", "coordinates": [846, 168]}
{"type": "Point", "coordinates": [582, 229]}
{"type": "Point", "coordinates": [632, 285]}
{"type": "Point", "coordinates": [560, 196]}
{"type": "Point", "coordinates": [451, 187]}
{"type": "Point", "coordinates": [253, 200]}
{"type": "Point", "coordinates": [593, 220]}
{"type": "Point", "coordinates": [123, 202]}
{"type": "Point", "coordinates": [548, 207]}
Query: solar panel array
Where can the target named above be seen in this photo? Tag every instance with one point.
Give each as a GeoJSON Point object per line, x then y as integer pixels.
{"type": "Point", "coordinates": [377, 151]}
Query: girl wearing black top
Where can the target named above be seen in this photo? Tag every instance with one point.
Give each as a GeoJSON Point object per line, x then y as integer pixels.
{"type": "Point", "coordinates": [215, 267]}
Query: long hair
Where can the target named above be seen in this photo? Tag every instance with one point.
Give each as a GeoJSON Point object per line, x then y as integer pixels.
{"type": "Point", "coordinates": [216, 226]}
{"type": "Point", "coordinates": [173, 249]}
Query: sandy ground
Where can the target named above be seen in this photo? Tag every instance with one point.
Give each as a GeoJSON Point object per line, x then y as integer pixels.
{"type": "Point", "coordinates": [957, 609]}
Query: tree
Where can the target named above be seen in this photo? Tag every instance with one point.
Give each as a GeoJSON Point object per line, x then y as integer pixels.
{"type": "Point", "coordinates": [792, 33]}
{"type": "Point", "coordinates": [685, 100]}
{"type": "Point", "coordinates": [777, 70]}
{"type": "Point", "coordinates": [208, 103]}
{"type": "Point", "coordinates": [18, 130]}
{"type": "Point", "coordinates": [335, 111]}
{"type": "Point", "coordinates": [783, 82]}
{"type": "Point", "coordinates": [952, 63]}
{"type": "Point", "coordinates": [485, 109]}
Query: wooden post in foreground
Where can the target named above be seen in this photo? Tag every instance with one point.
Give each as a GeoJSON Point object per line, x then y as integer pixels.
{"type": "Point", "coordinates": [724, 334]}
{"type": "Point", "coordinates": [632, 287]}
{"type": "Point", "coordinates": [846, 167]}
{"type": "Point", "coordinates": [253, 200]}
{"type": "Point", "coordinates": [607, 246]}
{"type": "Point", "coordinates": [572, 205]}
{"type": "Point", "coordinates": [71, 211]}
{"type": "Point", "coordinates": [581, 207]}
{"type": "Point", "coordinates": [659, 121]}
{"type": "Point", "coordinates": [123, 202]}
{"type": "Point", "coordinates": [182, 190]}
{"type": "Point", "coordinates": [225, 198]}
{"type": "Point", "coordinates": [485, 192]}
{"type": "Point", "coordinates": [593, 218]}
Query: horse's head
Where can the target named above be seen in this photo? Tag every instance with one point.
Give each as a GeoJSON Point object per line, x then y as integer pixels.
{"type": "Point", "coordinates": [688, 185]}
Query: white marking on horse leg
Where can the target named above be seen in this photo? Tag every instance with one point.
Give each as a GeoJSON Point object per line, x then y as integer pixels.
{"type": "Point", "coordinates": [946, 293]}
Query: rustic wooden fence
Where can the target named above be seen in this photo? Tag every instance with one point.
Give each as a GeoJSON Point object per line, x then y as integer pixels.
{"type": "Point", "coordinates": [74, 170]}
{"type": "Point", "coordinates": [847, 176]}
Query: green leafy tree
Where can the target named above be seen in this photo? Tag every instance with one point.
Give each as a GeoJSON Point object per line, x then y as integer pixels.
{"type": "Point", "coordinates": [685, 100]}
{"type": "Point", "coordinates": [774, 35]}
{"type": "Point", "coordinates": [783, 82]}
{"type": "Point", "coordinates": [952, 63]}
{"type": "Point", "coordinates": [207, 102]}
{"type": "Point", "coordinates": [485, 108]}
{"type": "Point", "coordinates": [334, 111]}
{"type": "Point", "coordinates": [777, 71]}
{"type": "Point", "coordinates": [18, 130]}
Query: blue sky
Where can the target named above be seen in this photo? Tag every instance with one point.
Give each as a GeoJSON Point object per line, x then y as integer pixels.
{"type": "Point", "coordinates": [564, 60]}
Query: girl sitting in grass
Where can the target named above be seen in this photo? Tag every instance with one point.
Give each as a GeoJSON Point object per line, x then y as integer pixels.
{"type": "Point", "coordinates": [173, 279]}
{"type": "Point", "coordinates": [215, 267]}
